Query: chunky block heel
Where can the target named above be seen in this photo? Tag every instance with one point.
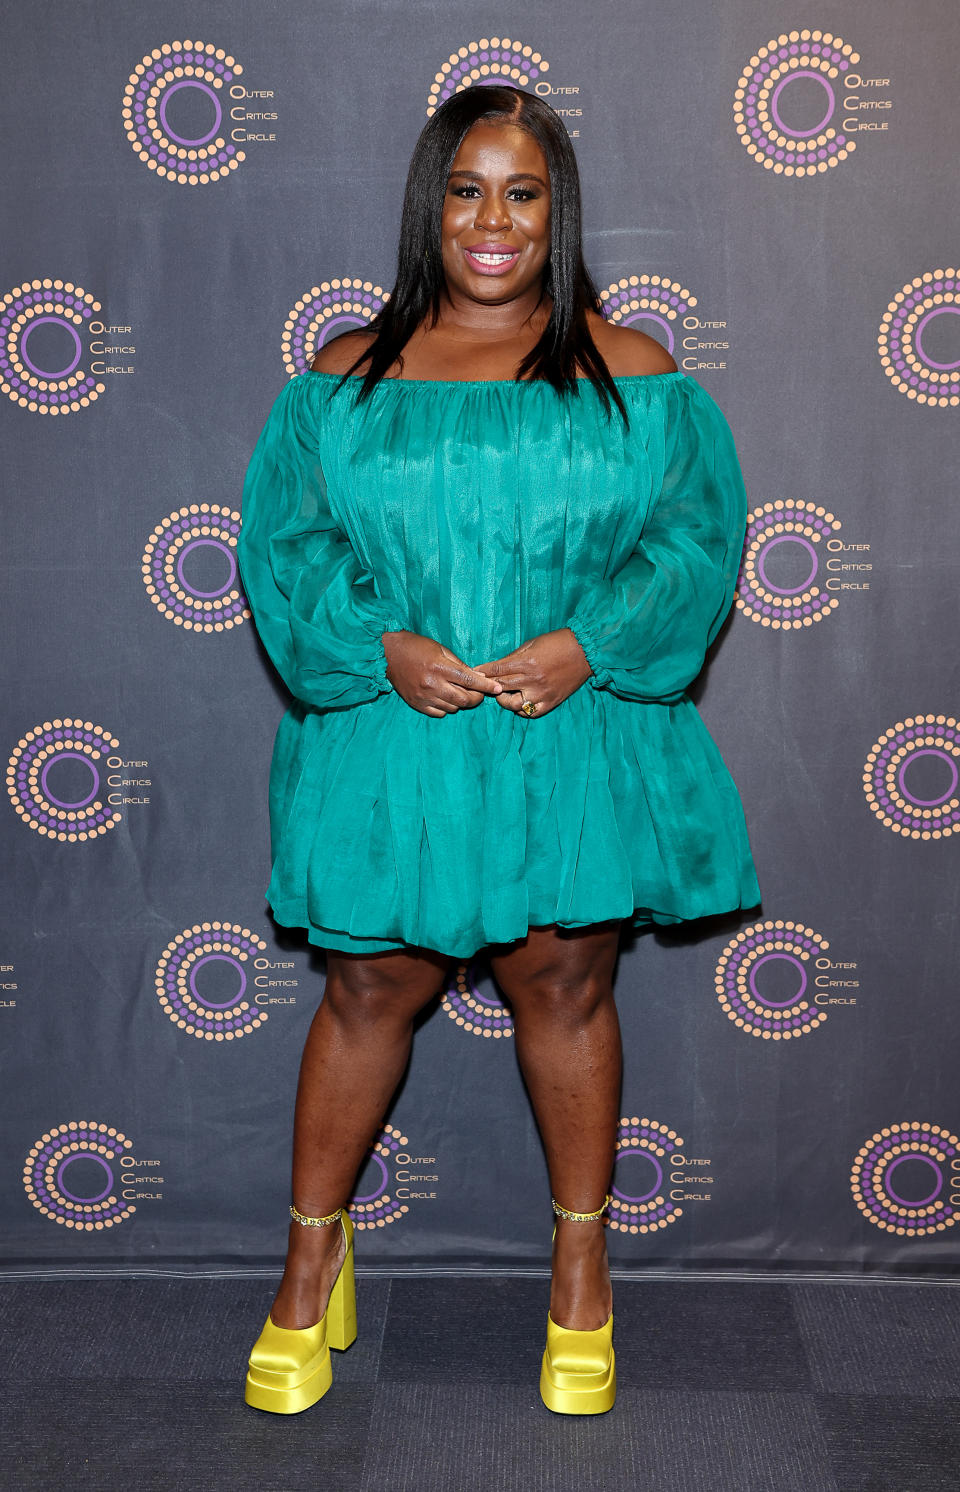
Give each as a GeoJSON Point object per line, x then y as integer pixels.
{"type": "Point", "coordinates": [342, 1306]}
{"type": "Point", "coordinates": [289, 1370]}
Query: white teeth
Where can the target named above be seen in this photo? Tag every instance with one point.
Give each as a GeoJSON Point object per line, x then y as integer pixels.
{"type": "Point", "coordinates": [490, 258]}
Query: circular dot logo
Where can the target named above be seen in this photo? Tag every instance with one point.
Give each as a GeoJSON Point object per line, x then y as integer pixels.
{"type": "Point", "coordinates": [763, 981]}
{"type": "Point", "coordinates": [494, 59]}
{"type": "Point", "coordinates": [190, 569]}
{"type": "Point", "coordinates": [639, 1186]}
{"type": "Point", "coordinates": [173, 112]}
{"type": "Point", "coordinates": [911, 777]}
{"type": "Point", "coordinates": [372, 1206]}
{"type": "Point", "coordinates": [203, 985]}
{"type": "Point", "coordinates": [795, 75]}
{"type": "Point", "coordinates": [778, 581]}
{"type": "Point", "coordinates": [901, 1179]}
{"type": "Point", "coordinates": [471, 1011]}
{"type": "Point", "coordinates": [640, 300]}
{"type": "Point", "coordinates": [920, 315]}
{"type": "Point", "coordinates": [44, 325]}
{"type": "Point", "coordinates": [70, 1176]}
{"type": "Point", "coordinates": [323, 313]}
{"type": "Point", "coordinates": [55, 780]}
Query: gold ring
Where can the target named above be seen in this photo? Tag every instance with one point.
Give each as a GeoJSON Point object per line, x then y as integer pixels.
{"type": "Point", "coordinates": [528, 707]}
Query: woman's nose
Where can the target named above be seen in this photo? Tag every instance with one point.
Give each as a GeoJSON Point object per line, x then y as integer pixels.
{"type": "Point", "coordinates": [493, 215]}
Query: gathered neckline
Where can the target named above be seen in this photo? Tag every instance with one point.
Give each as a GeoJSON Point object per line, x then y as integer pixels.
{"type": "Point", "coordinates": [498, 382]}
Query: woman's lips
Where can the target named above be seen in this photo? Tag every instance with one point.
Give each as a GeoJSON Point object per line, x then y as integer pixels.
{"type": "Point", "coordinates": [491, 261]}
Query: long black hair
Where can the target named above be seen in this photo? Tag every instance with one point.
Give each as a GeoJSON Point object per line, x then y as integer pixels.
{"type": "Point", "coordinates": [566, 340]}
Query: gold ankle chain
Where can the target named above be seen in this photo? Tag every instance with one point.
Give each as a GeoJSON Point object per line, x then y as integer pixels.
{"type": "Point", "coordinates": [315, 1222]}
{"type": "Point", "coordinates": [580, 1217]}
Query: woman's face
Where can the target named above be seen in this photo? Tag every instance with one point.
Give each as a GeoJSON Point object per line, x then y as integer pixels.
{"type": "Point", "coordinates": [496, 214]}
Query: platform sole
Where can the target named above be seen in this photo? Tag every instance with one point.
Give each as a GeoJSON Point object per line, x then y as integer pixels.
{"type": "Point", "coordinates": [597, 1399]}
{"type": "Point", "coordinates": [276, 1400]}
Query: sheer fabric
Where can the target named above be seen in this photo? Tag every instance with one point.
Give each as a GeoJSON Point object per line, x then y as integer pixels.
{"type": "Point", "coordinates": [483, 514]}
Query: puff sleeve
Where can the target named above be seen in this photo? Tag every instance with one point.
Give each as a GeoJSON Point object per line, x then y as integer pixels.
{"type": "Point", "coordinates": [314, 601]}
{"type": "Point", "coordinates": [646, 629]}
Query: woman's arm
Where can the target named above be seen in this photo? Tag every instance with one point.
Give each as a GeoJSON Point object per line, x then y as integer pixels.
{"type": "Point", "coordinates": [646, 630]}
{"type": "Point", "coordinates": [315, 604]}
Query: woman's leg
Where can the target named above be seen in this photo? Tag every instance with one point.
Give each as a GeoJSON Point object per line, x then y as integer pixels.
{"type": "Point", "coordinates": [354, 1057]}
{"type": "Point", "coordinates": [560, 985]}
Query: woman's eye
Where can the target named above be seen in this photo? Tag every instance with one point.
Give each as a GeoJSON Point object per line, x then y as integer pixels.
{"type": "Point", "coordinates": [516, 194]}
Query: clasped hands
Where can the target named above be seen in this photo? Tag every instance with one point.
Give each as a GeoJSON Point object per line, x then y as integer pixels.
{"type": "Point", "coordinates": [544, 671]}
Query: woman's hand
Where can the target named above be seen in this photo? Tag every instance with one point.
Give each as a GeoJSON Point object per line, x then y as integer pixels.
{"type": "Point", "coordinates": [432, 679]}
{"type": "Point", "coordinates": [543, 671]}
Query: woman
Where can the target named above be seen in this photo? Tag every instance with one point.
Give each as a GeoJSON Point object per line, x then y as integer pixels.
{"type": "Point", "coordinates": [486, 543]}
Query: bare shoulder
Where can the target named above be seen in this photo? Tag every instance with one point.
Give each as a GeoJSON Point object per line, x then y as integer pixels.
{"type": "Point", "coordinates": [627, 351]}
{"type": "Point", "coordinates": [340, 354]}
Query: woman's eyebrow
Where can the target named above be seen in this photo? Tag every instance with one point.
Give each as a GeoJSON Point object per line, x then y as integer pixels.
{"type": "Point", "coordinates": [517, 176]}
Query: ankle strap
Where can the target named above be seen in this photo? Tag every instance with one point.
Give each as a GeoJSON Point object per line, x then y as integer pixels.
{"type": "Point", "coordinates": [315, 1222]}
{"type": "Point", "coordinates": [580, 1217]}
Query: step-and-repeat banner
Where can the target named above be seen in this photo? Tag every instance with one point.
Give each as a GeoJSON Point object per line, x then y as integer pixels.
{"type": "Point", "coordinates": [195, 198]}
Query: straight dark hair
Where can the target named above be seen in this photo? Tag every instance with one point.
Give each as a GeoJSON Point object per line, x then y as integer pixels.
{"type": "Point", "coordinates": [566, 340]}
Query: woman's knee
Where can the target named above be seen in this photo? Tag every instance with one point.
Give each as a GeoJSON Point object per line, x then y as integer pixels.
{"type": "Point", "coordinates": [387, 988]}
{"type": "Point", "coordinates": [561, 996]}
{"type": "Point", "coordinates": [563, 976]}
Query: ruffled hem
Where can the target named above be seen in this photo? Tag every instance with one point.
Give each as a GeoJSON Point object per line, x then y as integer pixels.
{"type": "Point", "coordinates": [393, 829]}
{"type": "Point", "coordinates": [326, 937]}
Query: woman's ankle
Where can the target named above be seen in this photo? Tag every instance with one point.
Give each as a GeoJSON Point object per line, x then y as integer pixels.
{"type": "Point", "coordinates": [580, 1292]}
{"type": "Point", "coordinates": [309, 1275]}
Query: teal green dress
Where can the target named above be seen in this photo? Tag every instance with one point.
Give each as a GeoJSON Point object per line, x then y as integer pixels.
{"type": "Point", "coordinates": [482, 514]}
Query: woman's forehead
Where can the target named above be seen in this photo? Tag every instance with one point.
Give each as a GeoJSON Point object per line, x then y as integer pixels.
{"type": "Point", "coordinates": [500, 145]}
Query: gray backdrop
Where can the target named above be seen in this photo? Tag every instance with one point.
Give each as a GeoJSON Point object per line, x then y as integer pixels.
{"type": "Point", "coordinates": [790, 1098]}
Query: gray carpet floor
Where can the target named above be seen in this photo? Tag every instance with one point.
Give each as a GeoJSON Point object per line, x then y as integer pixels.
{"type": "Point", "coordinates": [724, 1386]}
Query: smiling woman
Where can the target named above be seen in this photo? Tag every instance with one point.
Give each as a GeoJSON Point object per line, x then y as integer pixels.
{"type": "Point", "coordinates": [486, 542]}
{"type": "Point", "coordinates": [494, 168]}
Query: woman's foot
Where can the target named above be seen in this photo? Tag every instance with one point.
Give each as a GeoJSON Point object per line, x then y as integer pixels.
{"type": "Point", "coordinates": [580, 1295]}
{"type": "Point", "coordinates": [314, 1257]}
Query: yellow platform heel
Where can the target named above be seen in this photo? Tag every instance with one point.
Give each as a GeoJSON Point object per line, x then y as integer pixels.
{"type": "Point", "coordinates": [290, 1369]}
{"type": "Point", "coordinates": [578, 1374]}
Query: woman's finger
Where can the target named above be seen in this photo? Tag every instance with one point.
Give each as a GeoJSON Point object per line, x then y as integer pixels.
{"type": "Point", "coordinates": [514, 700]}
{"type": "Point", "coordinates": [458, 673]}
{"type": "Point", "coordinates": [515, 676]}
{"type": "Point", "coordinates": [466, 699]}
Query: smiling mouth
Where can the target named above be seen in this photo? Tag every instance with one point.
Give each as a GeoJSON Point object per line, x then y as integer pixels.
{"type": "Point", "coordinates": [490, 259]}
